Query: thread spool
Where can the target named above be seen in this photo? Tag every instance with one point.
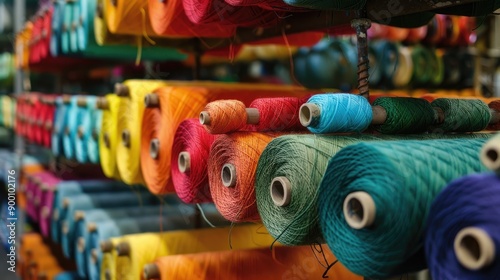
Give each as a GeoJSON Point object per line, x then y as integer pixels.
{"type": "Point", "coordinates": [175, 107]}
{"type": "Point", "coordinates": [66, 99]}
{"type": "Point", "coordinates": [79, 215]}
{"type": "Point", "coordinates": [92, 227]}
{"type": "Point", "coordinates": [281, 191]}
{"type": "Point", "coordinates": [122, 90]}
{"type": "Point", "coordinates": [461, 237]}
{"type": "Point", "coordinates": [451, 118]}
{"type": "Point", "coordinates": [107, 142]}
{"type": "Point", "coordinates": [130, 116]}
{"type": "Point", "coordinates": [359, 210]}
{"type": "Point", "coordinates": [404, 115]}
{"type": "Point", "coordinates": [322, 63]}
{"type": "Point", "coordinates": [60, 120]}
{"type": "Point", "coordinates": [232, 176]}
{"type": "Point", "coordinates": [309, 112]}
{"type": "Point", "coordinates": [279, 114]}
{"type": "Point", "coordinates": [228, 175]}
{"type": "Point", "coordinates": [123, 249]}
{"type": "Point", "coordinates": [109, 135]}
{"type": "Point", "coordinates": [106, 246]}
{"type": "Point", "coordinates": [88, 119]}
{"type": "Point", "coordinates": [71, 126]}
{"type": "Point", "coordinates": [107, 275]}
{"type": "Point", "coordinates": [445, 111]}
{"type": "Point", "coordinates": [103, 103]}
{"type": "Point", "coordinates": [490, 154]}
{"type": "Point", "coordinates": [81, 101]}
{"type": "Point", "coordinates": [94, 255]}
{"type": "Point", "coordinates": [184, 162]}
{"type": "Point", "coordinates": [263, 114]}
{"type": "Point", "coordinates": [252, 117]}
{"type": "Point", "coordinates": [45, 212]}
{"type": "Point", "coordinates": [205, 118]}
{"type": "Point", "coordinates": [126, 138]}
{"type": "Point", "coordinates": [151, 100]}
{"type": "Point", "coordinates": [327, 113]}
{"type": "Point", "coordinates": [154, 148]}
{"type": "Point", "coordinates": [495, 116]}
{"type": "Point", "coordinates": [80, 132]}
{"type": "Point", "coordinates": [404, 71]}
{"type": "Point", "coordinates": [151, 271]}
{"type": "Point", "coordinates": [397, 247]}
{"type": "Point", "coordinates": [474, 248]}
{"type": "Point", "coordinates": [190, 152]}
{"type": "Point", "coordinates": [81, 244]}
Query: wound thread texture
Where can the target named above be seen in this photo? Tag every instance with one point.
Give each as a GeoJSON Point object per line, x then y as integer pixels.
{"type": "Point", "coordinates": [405, 115]}
{"type": "Point", "coordinates": [341, 112]}
{"type": "Point", "coordinates": [192, 185]}
{"type": "Point", "coordinates": [457, 208]}
{"type": "Point", "coordinates": [462, 115]}
{"type": "Point", "coordinates": [237, 203]}
{"type": "Point", "coordinates": [395, 174]}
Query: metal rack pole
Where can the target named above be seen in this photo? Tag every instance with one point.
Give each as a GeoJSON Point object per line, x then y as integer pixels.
{"type": "Point", "coordinates": [19, 18]}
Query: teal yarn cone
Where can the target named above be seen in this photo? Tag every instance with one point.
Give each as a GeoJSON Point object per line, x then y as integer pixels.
{"type": "Point", "coordinates": [338, 112]}
{"type": "Point", "coordinates": [86, 146]}
{"type": "Point", "coordinates": [462, 115]}
{"type": "Point", "coordinates": [299, 67]}
{"type": "Point", "coordinates": [93, 120]}
{"type": "Point", "coordinates": [387, 54]}
{"type": "Point", "coordinates": [65, 40]}
{"type": "Point", "coordinates": [375, 199]}
{"type": "Point", "coordinates": [347, 77]}
{"type": "Point", "coordinates": [375, 69]}
{"type": "Point", "coordinates": [321, 66]}
{"type": "Point", "coordinates": [75, 19]}
{"type": "Point", "coordinates": [70, 133]}
{"type": "Point", "coordinates": [81, 23]}
{"type": "Point", "coordinates": [328, 64]}
{"type": "Point", "coordinates": [57, 23]}
{"type": "Point", "coordinates": [405, 115]}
